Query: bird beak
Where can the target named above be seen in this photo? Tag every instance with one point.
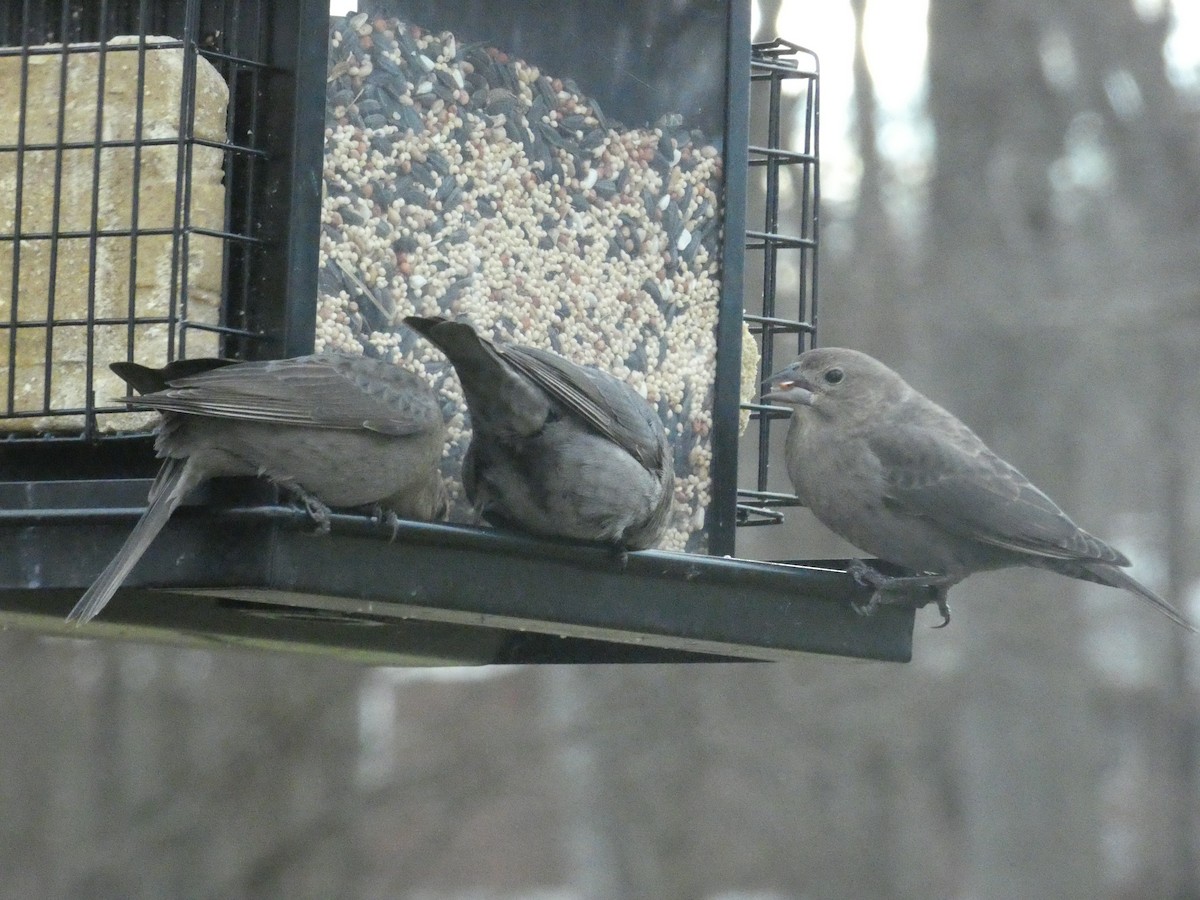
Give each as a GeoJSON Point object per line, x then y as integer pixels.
{"type": "Point", "coordinates": [788, 387]}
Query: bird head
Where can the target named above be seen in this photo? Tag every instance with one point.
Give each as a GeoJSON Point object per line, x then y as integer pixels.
{"type": "Point", "coordinates": [831, 379]}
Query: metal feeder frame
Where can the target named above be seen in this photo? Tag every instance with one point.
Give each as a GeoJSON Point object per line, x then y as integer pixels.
{"type": "Point", "coordinates": [236, 567]}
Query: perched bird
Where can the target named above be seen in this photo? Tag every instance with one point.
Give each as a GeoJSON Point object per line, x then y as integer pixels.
{"type": "Point", "coordinates": [557, 449]}
{"type": "Point", "coordinates": [895, 474]}
{"type": "Point", "coordinates": [336, 430]}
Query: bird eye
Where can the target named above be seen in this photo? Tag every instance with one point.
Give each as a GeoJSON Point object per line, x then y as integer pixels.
{"type": "Point", "coordinates": [833, 376]}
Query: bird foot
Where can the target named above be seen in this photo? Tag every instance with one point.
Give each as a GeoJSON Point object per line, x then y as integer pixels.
{"type": "Point", "coordinates": [895, 590]}
{"type": "Point", "coordinates": [394, 520]}
{"type": "Point", "coordinates": [866, 576]}
{"type": "Point", "coordinates": [386, 517]}
{"type": "Point", "coordinates": [316, 510]}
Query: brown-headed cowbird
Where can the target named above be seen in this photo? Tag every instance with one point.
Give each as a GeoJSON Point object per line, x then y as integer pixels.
{"type": "Point", "coordinates": [557, 449]}
{"type": "Point", "coordinates": [336, 430]}
{"type": "Point", "coordinates": [896, 475]}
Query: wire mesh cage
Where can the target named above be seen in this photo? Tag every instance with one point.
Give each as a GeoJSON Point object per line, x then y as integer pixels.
{"type": "Point", "coordinates": [145, 198]}
{"type": "Point", "coordinates": [783, 241]}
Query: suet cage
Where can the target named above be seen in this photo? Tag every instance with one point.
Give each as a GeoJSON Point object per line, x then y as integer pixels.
{"type": "Point", "coordinates": [186, 178]}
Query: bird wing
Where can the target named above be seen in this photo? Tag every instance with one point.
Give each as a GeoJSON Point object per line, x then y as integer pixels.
{"type": "Point", "coordinates": [322, 391]}
{"type": "Point", "coordinates": [950, 477]}
{"type": "Point", "coordinates": [608, 405]}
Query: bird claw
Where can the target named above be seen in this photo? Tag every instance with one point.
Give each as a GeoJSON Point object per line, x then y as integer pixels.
{"type": "Point", "coordinates": [317, 511]}
{"type": "Point", "coordinates": [944, 609]}
{"type": "Point", "coordinates": [902, 587]}
{"type": "Point", "coordinates": [868, 608]}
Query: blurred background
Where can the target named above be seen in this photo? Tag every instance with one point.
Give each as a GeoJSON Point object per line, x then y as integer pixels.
{"type": "Point", "coordinates": [1010, 218]}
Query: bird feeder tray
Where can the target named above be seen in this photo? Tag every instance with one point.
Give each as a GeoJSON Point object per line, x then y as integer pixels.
{"type": "Point", "coordinates": [255, 576]}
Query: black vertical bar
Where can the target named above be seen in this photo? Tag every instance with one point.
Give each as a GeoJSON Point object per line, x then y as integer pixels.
{"type": "Point", "coordinates": [89, 392]}
{"type": "Point", "coordinates": [136, 182]}
{"type": "Point", "coordinates": [235, 164]}
{"type": "Point", "coordinates": [56, 208]}
{"type": "Point", "coordinates": [305, 54]}
{"type": "Point", "coordinates": [769, 263]}
{"type": "Point", "coordinates": [771, 205]}
{"type": "Point", "coordinates": [805, 182]}
{"type": "Point", "coordinates": [11, 399]}
{"type": "Point", "coordinates": [722, 512]}
{"type": "Point", "coordinates": [178, 307]}
{"type": "Point", "coordinates": [812, 146]}
{"type": "Point", "coordinates": [251, 166]}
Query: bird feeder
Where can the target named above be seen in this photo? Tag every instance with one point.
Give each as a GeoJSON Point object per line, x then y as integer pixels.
{"type": "Point", "coordinates": [188, 178]}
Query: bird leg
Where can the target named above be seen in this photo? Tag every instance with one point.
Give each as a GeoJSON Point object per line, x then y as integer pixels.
{"type": "Point", "coordinates": [893, 589]}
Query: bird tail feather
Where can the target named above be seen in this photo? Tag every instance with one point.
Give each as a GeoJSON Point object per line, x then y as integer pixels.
{"type": "Point", "coordinates": [1110, 575]}
{"type": "Point", "coordinates": [173, 482]}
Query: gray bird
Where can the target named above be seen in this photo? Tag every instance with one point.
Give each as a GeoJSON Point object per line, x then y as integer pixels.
{"type": "Point", "coordinates": [557, 449]}
{"type": "Point", "coordinates": [335, 430]}
{"type": "Point", "coordinates": [896, 475]}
